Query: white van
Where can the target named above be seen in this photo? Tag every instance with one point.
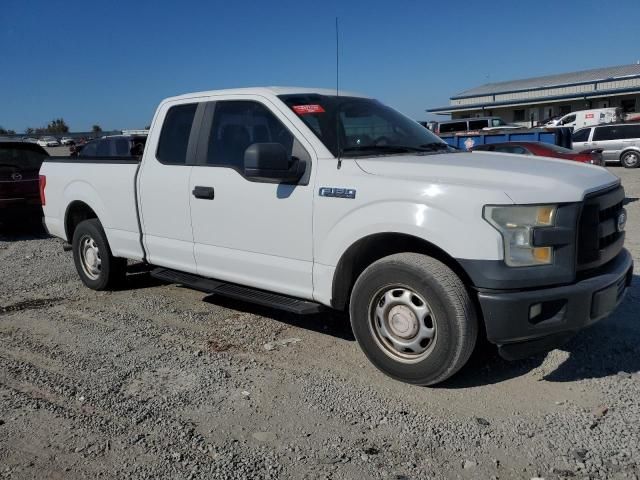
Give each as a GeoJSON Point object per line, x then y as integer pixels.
{"type": "Point", "coordinates": [587, 118]}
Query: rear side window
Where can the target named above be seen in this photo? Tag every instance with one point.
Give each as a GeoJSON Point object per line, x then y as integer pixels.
{"type": "Point", "coordinates": [605, 133]}
{"type": "Point", "coordinates": [478, 124]}
{"type": "Point", "coordinates": [581, 135]}
{"type": "Point", "coordinates": [453, 127]}
{"type": "Point", "coordinates": [17, 159]}
{"type": "Point", "coordinates": [174, 137]}
{"type": "Point", "coordinates": [629, 131]}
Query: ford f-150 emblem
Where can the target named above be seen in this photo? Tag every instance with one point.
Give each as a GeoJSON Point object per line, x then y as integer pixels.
{"type": "Point", "coordinates": [622, 221]}
{"type": "Point", "coordinates": [337, 192]}
{"type": "Point", "coordinates": [16, 177]}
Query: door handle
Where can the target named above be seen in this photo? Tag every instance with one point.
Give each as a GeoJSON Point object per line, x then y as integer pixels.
{"type": "Point", "coordinates": [205, 193]}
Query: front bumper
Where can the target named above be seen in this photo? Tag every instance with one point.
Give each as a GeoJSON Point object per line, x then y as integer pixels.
{"type": "Point", "coordinates": [510, 317]}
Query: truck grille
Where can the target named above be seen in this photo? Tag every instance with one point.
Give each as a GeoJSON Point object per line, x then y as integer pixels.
{"type": "Point", "coordinates": [598, 237]}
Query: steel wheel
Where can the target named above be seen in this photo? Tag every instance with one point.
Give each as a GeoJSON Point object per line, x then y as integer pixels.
{"type": "Point", "coordinates": [402, 323]}
{"type": "Point", "coordinates": [90, 257]}
{"type": "Point", "coordinates": [631, 159]}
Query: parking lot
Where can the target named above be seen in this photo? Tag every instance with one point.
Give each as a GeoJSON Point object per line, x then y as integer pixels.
{"type": "Point", "coordinates": [157, 381]}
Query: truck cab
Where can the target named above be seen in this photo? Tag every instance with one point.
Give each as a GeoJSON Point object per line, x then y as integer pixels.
{"type": "Point", "coordinates": [304, 199]}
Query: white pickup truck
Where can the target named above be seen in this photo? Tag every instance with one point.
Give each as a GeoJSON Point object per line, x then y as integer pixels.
{"type": "Point", "coordinates": [301, 199]}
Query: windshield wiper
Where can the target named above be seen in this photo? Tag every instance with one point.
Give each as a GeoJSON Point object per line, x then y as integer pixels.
{"type": "Point", "coordinates": [383, 149]}
{"type": "Point", "coordinates": [435, 146]}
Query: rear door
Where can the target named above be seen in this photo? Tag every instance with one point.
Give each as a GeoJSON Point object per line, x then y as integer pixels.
{"type": "Point", "coordinates": [608, 139]}
{"type": "Point", "coordinates": [630, 136]}
{"type": "Point", "coordinates": [163, 187]}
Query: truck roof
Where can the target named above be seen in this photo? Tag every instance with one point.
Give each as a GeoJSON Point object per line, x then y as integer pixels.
{"type": "Point", "coordinates": [267, 91]}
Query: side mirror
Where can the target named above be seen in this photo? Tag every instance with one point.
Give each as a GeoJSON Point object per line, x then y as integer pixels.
{"type": "Point", "coordinates": [270, 162]}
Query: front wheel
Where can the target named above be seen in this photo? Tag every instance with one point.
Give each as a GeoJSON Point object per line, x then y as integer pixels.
{"type": "Point", "coordinates": [630, 159]}
{"type": "Point", "coordinates": [97, 267]}
{"type": "Point", "coordinates": [413, 318]}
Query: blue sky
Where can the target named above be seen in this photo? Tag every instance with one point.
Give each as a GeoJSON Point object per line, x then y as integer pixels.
{"type": "Point", "coordinates": [111, 62]}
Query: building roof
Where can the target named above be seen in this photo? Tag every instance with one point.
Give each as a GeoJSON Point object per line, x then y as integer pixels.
{"type": "Point", "coordinates": [563, 79]}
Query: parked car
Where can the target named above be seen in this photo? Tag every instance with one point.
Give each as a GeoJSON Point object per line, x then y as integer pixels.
{"type": "Point", "coordinates": [111, 146]}
{"type": "Point", "coordinates": [297, 199]}
{"type": "Point", "coordinates": [585, 118]}
{"type": "Point", "coordinates": [19, 192]}
{"type": "Point", "coordinates": [48, 142]}
{"type": "Point", "coordinates": [473, 124]}
{"type": "Point", "coordinates": [592, 156]}
{"type": "Point", "coordinates": [67, 141]}
{"type": "Point", "coordinates": [619, 142]}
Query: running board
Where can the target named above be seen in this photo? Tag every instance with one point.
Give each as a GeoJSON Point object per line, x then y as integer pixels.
{"type": "Point", "coordinates": [238, 292]}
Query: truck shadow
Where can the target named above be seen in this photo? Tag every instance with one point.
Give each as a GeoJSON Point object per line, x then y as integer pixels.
{"type": "Point", "coordinates": [608, 348]}
{"type": "Point", "coordinates": [22, 231]}
{"type": "Point", "coordinates": [335, 324]}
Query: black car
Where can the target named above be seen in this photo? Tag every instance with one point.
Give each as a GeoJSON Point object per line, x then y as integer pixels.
{"type": "Point", "coordinates": [112, 146]}
{"type": "Point", "coordinates": [20, 164]}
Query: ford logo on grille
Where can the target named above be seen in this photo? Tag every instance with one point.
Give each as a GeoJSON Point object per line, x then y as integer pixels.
{"type": "Point", "coordinates": [622, 221]}
{"type": "Point", "coordinates": [16, 176]}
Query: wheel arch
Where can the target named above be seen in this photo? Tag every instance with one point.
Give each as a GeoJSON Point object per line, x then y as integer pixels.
{"type": "Point", "coordinates": [627, 150]}
{"type": "Point", "coordinates": [373, 247]}
{"type": "Point", "coordinates": [77, 211]}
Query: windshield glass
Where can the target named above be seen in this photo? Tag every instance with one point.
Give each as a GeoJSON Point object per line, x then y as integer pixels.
{"type": "Point", "coordinates": [557, 148]}
{"type": "Point", "coordinates": [497, 122]}
{"type": "Point", "coordinates": [353, 126]}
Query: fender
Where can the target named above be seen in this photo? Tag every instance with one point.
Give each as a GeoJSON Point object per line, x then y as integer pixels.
{"type": "Point", "coordinates": [82, 191]}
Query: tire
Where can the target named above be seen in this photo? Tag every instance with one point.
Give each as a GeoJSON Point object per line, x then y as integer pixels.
{"type": "Point", "coordinates": [387, 315]}
{"type": "Point", "coordinates": [97, 267]}
{"type": "Point", "coordinates": [630, 159]}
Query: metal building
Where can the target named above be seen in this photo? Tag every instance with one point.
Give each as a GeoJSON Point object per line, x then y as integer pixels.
{"type": "Point", "coordinates": [539, 98]}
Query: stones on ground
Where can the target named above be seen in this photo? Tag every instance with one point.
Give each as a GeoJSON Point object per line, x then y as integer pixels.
{"type": "Point", "coordinates": [467, 464]}
{"type": "Point", "coordinates": [600, 411]}
{"type": "Point", "coordinates": [264, 436]}
{"type": "Point", "coordinates": [563, 472]}
{"type": "Point", "coordinates": [280, 343]}
{"type": "Point", "coordinates": [483, 421]}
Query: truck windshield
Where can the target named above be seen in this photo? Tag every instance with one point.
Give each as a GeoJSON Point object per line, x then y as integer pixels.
{"type": "Point", "coordinates": [354, 126]}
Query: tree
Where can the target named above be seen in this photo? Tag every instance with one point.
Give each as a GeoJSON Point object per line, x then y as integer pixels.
{"type": "Point", "coordinates": [57, 125]}
{"type": "Point", "coordinates": [4, 131]}
{"type": "Point", "coordinates": [96, 128]}
{"type": "Point", "coordinates": [30, 131]}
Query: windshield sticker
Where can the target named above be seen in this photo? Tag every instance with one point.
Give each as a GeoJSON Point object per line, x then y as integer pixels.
{"type": "Point", "coordinates": [306, 109]}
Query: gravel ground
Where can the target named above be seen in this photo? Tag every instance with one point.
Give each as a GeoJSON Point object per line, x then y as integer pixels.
{"type": "Point", "coordinates": [155, 381]}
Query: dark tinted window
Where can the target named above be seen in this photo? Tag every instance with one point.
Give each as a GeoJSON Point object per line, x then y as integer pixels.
{"type": "Point", "coordinates": [511, 149]}
{"type": "Point", "coordinates": [581, 135]}
{"type": "Point", "coordinates": [239, 124]}
{"type": "Point", "coordinates": [20, 158]}
{"type": "Point", "coordinates": [90, 149]}
{"type": "Point", "coordinates": [569, 119]}
{"type": "Point", "coordinates": [121, 147]}
{"type": "Point", "coordinates": [104, 148]}
{"type": "Point", "coordinates": [629, 131]}
{"type": "Point", "coordinates": [606, 133]}
{"type": "Point", "coordinates": [478, 124]}
{"type": "Point", "coordinates": [174, 137]}
{"type": "Point", "coordinates": [453, 127]}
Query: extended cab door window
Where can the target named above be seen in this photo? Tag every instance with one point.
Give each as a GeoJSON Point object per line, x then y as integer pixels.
{"type": "Point", "coordinates": [174, 137]}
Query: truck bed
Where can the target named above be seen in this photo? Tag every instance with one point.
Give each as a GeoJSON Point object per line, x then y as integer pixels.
{"type": "Point", "coordinates": [108, 185]}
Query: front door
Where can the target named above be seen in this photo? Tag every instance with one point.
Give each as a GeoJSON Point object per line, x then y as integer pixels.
{"type": "Point", "coordinates": [253, 233]}
{"type": "Point", "coordinates": [608, 139]}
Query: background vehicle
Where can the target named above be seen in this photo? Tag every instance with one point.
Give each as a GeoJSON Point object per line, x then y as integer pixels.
{"type": "Point", "coordinates": [19, 193]}
{"type": "Point", "coordinates": [473, 124]}
{"type": "Point", "coordinates": [592, 156]}
{"type": "Point", "coordinates": [619, 142]}
{"type": "Point", "coordinates": [48, 142]}
{"type": "Point", "coordinates": [112, 146]}
{"type": "Point", "coordinates": [585, 118]}
{"type": "Point", "coordinates": [297, 199]}
{"type": "Point", "coordinates": [67, 141]}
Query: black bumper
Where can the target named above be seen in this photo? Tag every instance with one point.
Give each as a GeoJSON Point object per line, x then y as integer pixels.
{"type": "Point", "coordinates": [563, 310]}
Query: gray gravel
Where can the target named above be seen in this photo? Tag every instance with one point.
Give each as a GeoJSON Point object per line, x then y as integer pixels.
{"type": "Point", "coordinates": [153, 382]}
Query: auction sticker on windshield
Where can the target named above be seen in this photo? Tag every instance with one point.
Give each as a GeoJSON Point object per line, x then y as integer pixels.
{"type": "Point", "coordinates": [306, 109]}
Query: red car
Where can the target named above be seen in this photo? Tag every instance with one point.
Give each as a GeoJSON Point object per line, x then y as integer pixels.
{"type": "Point", "coordinates": [20, 164]}
{"type": "Point", "coordinates": [592, 156]}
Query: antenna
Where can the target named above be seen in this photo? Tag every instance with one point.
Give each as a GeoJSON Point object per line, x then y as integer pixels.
{"type": "Point", "coordinates": [338, 95]}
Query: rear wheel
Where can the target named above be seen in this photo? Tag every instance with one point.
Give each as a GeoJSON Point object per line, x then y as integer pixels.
{"type": "Point", "coordinates": [413, 318]}
{"type": "Point", "coordinates": [97, 267]}
{"type": "Point", "coordinates": [630, 159]}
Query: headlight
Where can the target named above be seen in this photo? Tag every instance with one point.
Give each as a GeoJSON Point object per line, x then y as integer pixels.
{"type": "Point", "coordinates": [516, 224]}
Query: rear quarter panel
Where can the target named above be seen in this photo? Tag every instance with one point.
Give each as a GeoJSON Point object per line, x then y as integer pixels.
{"type": "Point", "coordinates": [107, 188]}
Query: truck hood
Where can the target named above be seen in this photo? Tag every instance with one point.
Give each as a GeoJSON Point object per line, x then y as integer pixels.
{"type": "Point", "coordinates": [524, 179]}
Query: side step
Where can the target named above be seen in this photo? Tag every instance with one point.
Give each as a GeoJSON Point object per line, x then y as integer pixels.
{"type": "Point", "coordinates": [238, 292]}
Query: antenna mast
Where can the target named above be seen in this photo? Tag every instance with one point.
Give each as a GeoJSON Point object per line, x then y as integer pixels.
{"type": "Point", "coordinates": [338, 95]}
